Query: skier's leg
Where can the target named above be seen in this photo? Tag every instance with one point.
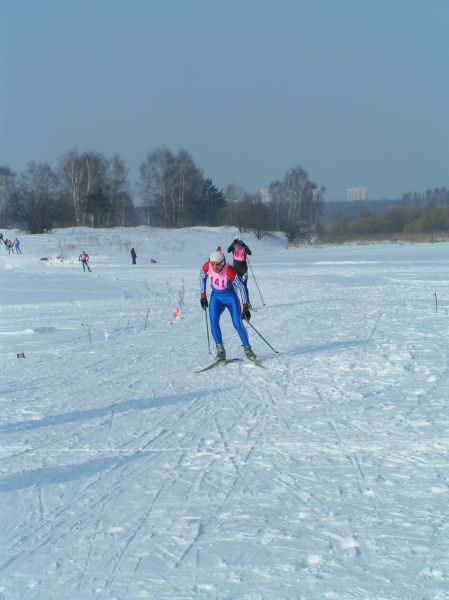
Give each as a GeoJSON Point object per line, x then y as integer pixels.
{"type": "Point", "coordinates": [245, 282]}
{"type": "Point", "coordinates": [216, 307]}
{"type": "Point", "coordinates": [234, 308]}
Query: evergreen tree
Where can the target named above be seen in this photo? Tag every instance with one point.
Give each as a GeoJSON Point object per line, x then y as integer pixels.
{"type": "Point", "coordinates": [35, 201]}
{"type": "Point", "coordinates": [96, 205]}
{"type": "Point", "coordinates": [212, 203]}
{"type": "Point", "coordinates": [7, 188]}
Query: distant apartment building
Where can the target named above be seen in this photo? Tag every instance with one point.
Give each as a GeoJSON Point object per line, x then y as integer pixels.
{"type": "Point", "coordinates": [357, 193]}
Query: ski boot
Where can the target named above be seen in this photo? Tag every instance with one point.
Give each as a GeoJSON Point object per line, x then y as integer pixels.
{"type": "Point", "coordinates": [249, 353]}
{"type": "Point", "coordinates": [221, 353]}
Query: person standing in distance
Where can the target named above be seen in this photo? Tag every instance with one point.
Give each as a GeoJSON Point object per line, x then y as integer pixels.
{"type": "Point", "coordinates": [225, 282]}
{"type": "Point", "coordinates": [239, 253]}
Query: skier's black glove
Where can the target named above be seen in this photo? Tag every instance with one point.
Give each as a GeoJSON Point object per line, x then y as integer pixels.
{"type": "Point", "coordinates": [246, 315]}
{"type": "Point", "coordinates": [204, 303]}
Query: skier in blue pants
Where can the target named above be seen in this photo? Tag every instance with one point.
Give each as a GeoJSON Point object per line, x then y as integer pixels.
{"type": "Point", "coordinates": [84, 259]}
{"type": "Point", "coordinates": [224, 282]}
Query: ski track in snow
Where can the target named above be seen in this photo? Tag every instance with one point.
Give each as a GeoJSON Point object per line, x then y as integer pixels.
{"type": "Point", "coordinates": [125, 475]}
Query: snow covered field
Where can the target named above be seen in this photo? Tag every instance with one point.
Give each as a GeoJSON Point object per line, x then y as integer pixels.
{"type": "Point", "coordinates": [124, 475]}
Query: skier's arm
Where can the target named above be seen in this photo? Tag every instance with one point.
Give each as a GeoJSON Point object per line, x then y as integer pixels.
{"type": "Point", "coordinates": [248, 251]}
{"type": "Point", "coordinates": [203, 279]}
{"type": "Point", "coordinates": [231, 247]}
{"type": "Point", "coordinates": [203, 300]}
{"type": "Point", "coordinates": [238, 284]}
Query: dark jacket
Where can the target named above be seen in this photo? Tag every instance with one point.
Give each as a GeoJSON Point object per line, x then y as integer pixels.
{"type": "Point", "coordinates": [242, 244]}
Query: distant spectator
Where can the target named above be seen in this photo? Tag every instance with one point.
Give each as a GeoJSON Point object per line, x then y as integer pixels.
{"type": "Point", "coordinates": [133, 256]}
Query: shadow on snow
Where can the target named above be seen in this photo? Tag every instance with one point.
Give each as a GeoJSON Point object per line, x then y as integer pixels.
{"type": "Point", "coordinates": [112, 409]}
{"type": "Point", "coordinates": [64, 473]}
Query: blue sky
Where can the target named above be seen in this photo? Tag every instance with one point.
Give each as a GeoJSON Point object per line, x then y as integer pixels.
{"type": "Point", "coordinates": [354, 91]}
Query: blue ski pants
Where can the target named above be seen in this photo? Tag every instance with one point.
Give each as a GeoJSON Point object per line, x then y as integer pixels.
{"type": "Point", "coordinates": [218, 302]}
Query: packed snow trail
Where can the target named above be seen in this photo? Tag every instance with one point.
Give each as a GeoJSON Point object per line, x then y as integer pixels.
{"type": "Point", "coordinates": [125, 475]}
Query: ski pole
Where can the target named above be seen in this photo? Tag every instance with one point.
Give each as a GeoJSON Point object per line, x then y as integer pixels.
{"type": "Point", "coordinates": [88, 330]}
{"type": "Point", "coordinates": [255, 280]}
{"type": "Point", "coordinates": [260, 335]}
{"type": "Point", "coordinates": [207, 329]}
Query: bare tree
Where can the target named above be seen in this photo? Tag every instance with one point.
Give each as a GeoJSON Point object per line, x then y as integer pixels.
{"type": "Point", "coordinates": [260, 217]}
{"type": "Point", "coordinates": [189, 190]}
{"type": "Point", "coordinates": [95, 167]}
{"type": "Point", "coordinates": [72, 176]}
{"type": "Point", "coordinates": [118, 190]}
{"type": "Point", "coordinates": [155, 184]}
{"type": "Point", "coordinates": [277, 193]}
{"type": "Point", "coordinates": [252, 214]}
{"type": "Point", "coordinates": [96, 187]}
{"type": "Point", "coordinates": [170, 186]}
{"type": "Point", "coordinates": [233, 196]}
{"type": "Point", "coordinates": [297, 204]}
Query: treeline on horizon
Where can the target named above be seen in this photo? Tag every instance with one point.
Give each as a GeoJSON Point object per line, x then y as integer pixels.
{"type": "Point", "coordinates": [172, 191]}
{"type": "Point", "coordinates": [414, 214]}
